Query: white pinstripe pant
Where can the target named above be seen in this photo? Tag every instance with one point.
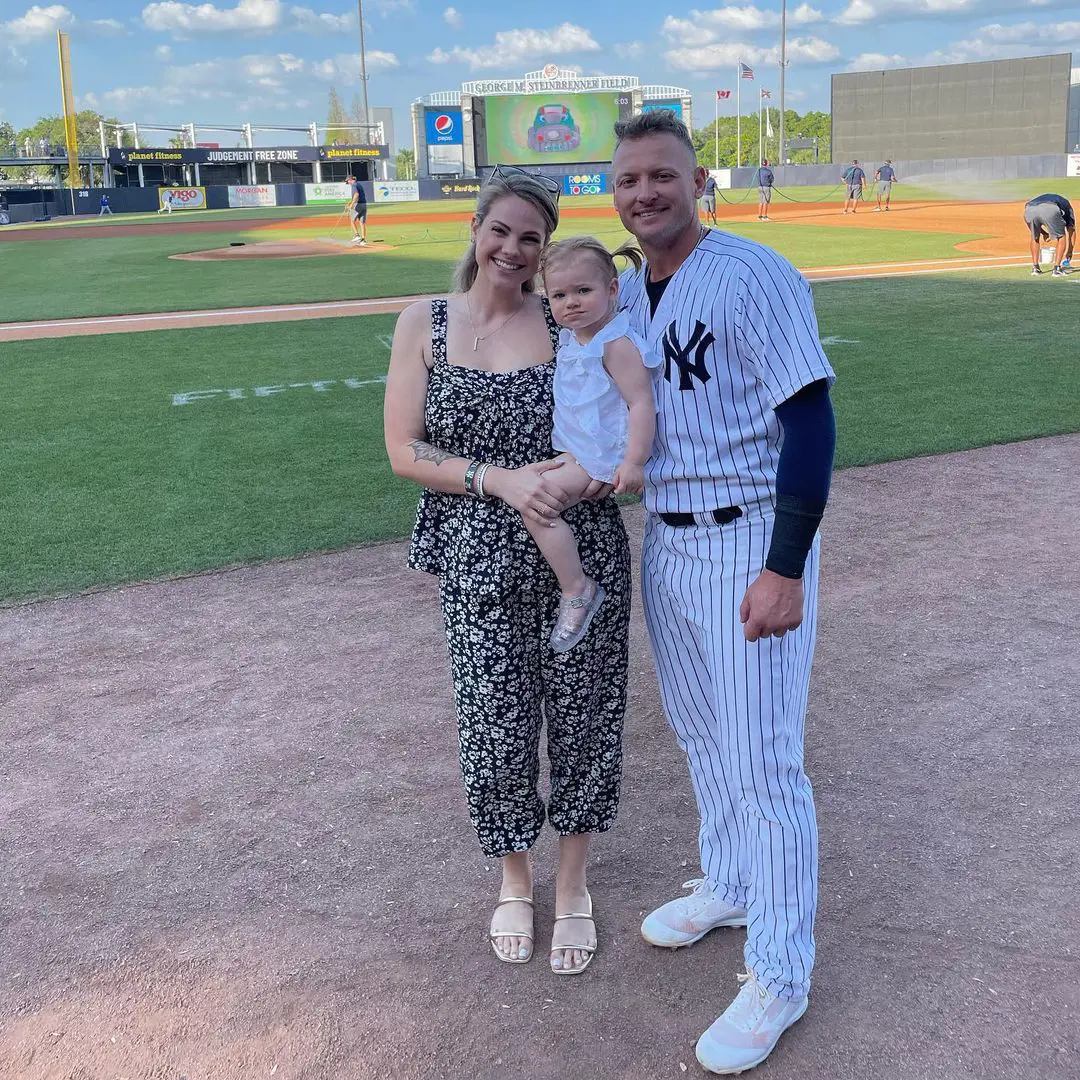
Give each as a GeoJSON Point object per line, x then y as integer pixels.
{"type": "Point", "coordinates": [737, 708]}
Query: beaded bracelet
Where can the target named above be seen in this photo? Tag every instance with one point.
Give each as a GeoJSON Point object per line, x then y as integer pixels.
{"type": "Point", "coordinates": [470, 472]}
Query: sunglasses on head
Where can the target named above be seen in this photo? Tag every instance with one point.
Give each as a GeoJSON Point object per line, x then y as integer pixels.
{"type": "Point", "coordinates": [547, 182]}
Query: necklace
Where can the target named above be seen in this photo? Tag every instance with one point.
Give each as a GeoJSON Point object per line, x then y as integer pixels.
{"type": "Point", "coordinates": [477, 338]}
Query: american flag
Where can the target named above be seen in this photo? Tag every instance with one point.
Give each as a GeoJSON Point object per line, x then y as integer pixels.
{"type": "Point", "coordinates": [766, 93]}
{"type": "Point", "coordinates": [745, 72]}
{"type": "Point", "coordinates": [722, 94]}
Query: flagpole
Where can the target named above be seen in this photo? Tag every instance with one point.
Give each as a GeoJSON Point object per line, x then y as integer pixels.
{"type": "Point", "coordinates": [760, 99]}
{"type": "Point", "coordinates": [716, 125]}
{"type": "Point", "coordinates": [738, 115]}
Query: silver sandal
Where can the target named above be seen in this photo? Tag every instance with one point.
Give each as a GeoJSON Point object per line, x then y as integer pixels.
{"type": "Point", "coordinates": [565, 636]}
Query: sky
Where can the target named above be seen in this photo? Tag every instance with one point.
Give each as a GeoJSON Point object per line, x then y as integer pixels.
{"type": "Point", "coordinates": [273, 62]}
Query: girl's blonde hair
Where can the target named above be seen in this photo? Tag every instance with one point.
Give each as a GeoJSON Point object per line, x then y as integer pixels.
{"type": "Point", "coordinates": [563, 251]}
{"type": "Point", "coordinates": [498, 186]}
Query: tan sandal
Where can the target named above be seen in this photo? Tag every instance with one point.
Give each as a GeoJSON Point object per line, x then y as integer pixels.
{"type": "Point", "coordinates": [493, 934]}
{"type": "Point", "coordinates": [590, 949]}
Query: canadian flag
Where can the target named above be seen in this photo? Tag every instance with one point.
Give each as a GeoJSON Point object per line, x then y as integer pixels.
{"type": "Point", "coordinates": [722, 94]}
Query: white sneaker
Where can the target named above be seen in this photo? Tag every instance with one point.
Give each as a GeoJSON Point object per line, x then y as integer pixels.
{"type": "Point", "coordinates": [356, 240]}
{"type": "Point", "coordinates": [688, 919]}
{"type": "Point", "coordinates": [749, 1029]}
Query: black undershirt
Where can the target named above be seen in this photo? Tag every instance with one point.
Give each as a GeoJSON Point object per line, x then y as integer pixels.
{"type": "Point", "coordinates": [655, 291]}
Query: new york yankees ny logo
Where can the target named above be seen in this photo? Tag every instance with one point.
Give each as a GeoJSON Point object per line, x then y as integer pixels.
{"type": "Point", "coordinates": [699, 342]}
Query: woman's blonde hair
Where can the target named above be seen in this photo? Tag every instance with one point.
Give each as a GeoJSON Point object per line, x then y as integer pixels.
{"type": "Point", "coordinates": [498, 186]}
{"type": "Point", "coordinates": [562, 251]}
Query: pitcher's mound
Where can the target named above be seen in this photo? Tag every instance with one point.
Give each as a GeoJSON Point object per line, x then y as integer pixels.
{"type": "Point", "coordinates": [284, 249]}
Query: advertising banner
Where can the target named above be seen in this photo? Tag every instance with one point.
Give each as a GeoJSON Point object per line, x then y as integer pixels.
{"type": "Point", "coordinates": [241, 156]}
{"type": "Point", "coordinates": [260, 195]}
{"type": "Point", "coordinates": [1072, 165]}
{"type": "Point", "coordinates": [183, 198]}
{"type": "Point", "coordinates": [443, 126]}
{"type": "Point", "coordinates": [325, 194]}
{"type": "Point", "coordinates": [459, 189]}
{"type": "Point", "coordinates": [397, 191]}
{"type": "Point", "coordinates": [542, 129]}
{"type": "Point", "coordinates": [585, 184]}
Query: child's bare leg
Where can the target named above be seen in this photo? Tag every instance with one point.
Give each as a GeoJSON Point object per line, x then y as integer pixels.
{"type": "Point", "coordinates": [556, 541]}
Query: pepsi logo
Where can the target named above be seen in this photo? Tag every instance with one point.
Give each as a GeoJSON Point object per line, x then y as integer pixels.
{"type": "Point", "coordinates": [444, 124]}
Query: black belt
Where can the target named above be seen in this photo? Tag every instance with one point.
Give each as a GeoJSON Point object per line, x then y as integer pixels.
{"type": "Point", "coordinates": [721, 517]}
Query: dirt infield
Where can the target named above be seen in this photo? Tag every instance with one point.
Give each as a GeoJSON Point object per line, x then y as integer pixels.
{"type": "Point", "coordinates": [236, 844]}
{"type": "Point", "coordinates": [1002, 223]}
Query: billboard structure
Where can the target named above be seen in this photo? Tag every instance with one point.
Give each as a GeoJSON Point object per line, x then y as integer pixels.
{"type": "Point", "coordinates": [558, 122]}
{"type": "Point", "coordinates": [998, 107]}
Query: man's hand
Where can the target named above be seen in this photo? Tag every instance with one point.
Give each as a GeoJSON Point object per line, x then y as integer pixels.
{"type": "Point", "coordinates": [772, 606]}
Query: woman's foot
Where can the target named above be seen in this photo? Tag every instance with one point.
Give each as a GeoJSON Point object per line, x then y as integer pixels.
{"type": "Point", "coordinates": [575, 615]}
{"type": "Point", "coordinates": [511, 930]}
{"type": "Point", "coordinates": [573, 939]}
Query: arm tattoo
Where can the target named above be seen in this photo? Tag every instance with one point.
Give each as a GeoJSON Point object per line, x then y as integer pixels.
{"type": "Point", "coordinates": [423, 451]}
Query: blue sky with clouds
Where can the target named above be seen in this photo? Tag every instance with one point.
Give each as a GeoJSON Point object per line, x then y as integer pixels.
{"type": "Point", "coordinates": [274, 61]}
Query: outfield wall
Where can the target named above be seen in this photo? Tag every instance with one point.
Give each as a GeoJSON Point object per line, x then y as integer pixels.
{"type": "Point", "coordinates": [932, 173]}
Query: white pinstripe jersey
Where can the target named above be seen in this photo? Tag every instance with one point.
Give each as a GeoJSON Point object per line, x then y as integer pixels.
{"type": "Point", "coordinates": [738, 333]}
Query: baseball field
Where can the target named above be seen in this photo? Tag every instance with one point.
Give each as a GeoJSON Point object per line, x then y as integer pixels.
{"type": "Point", "coordinates": [236, 843]}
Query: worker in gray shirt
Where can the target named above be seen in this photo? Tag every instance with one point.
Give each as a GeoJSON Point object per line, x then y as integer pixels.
{"type": "Point", "coordinates": [885, 177]}
{"type": "Point", "coordinates": [765, 183]}
{"type": "Point", "coordinates": [1051, 218]}
{"type": "Point", "coordinates": [855, 180]}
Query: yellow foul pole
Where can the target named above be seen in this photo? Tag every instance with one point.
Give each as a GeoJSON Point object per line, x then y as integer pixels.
{"type": "Point", "coordinates": [70, 134]}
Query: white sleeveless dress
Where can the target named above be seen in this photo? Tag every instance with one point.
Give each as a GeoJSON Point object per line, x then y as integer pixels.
{"type": "Point", "coordinates": [591, 418]}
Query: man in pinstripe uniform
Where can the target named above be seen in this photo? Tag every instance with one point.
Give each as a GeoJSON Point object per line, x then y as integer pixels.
{"type": "Point", "coordinates": [735, 491]}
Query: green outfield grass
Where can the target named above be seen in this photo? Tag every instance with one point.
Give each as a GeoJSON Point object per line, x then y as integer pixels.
{"type": "Point", "coordinates": [130, 275]}
{"type": "Point", "coordinates": [105, 479]}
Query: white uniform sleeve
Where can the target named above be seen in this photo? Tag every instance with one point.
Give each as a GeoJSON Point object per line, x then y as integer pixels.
{"type": "Point", "coordinates": [776, 329]}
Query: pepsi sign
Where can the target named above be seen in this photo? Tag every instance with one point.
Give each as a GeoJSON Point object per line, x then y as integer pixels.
{"type": "Point", "coordinates": [443, 127]}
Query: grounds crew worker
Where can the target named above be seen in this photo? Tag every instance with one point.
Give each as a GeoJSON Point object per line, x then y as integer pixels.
{"type": "Point", "coordinates": [1051, 217]}
{"type": "Point", "coordinates": [357, 210]}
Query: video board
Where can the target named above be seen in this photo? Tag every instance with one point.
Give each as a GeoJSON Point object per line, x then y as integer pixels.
{"type": "Point", "coordinates": [674, 106]}
{"type": "Point", "coordinates": [547, 129]}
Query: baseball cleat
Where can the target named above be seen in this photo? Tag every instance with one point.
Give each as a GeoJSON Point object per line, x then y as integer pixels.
{"type": "Point", "coordinates": [1035, 271]}
{"type": "Point", "coordinates": [689, 918]}
{"type": "Point", "coordinates": [1057, 272]}
{"type": "Point", "coordinates": [748, 1031]}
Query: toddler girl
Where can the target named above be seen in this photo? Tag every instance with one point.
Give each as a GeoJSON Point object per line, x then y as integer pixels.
{"type": "Point", "coordinates": [605, 409]}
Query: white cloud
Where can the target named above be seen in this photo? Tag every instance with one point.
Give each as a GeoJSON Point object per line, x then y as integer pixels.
{"type": "Point", "coordinates": [249, 16]}
{"type": "Point", "coordinates": [874, 61]}
{"type": "Point", "coordinates": [452, 17]}
{"type": "Point", "coordinates": [512, 46]}
{"type": "Point", "coordinates": [311, 22]}
{"type": "Point", "coordinates": [37, 23]}
{"type": "Point", "coordinates": [388, 7]}
{"type": "Point", "coordinates": [163, 52]}
{"type": "Point", "coordinates": [716, 56]}
{"type": "Point", "coordinates": [110, 27]}
{"type": "Point", "coordinates": [997, 42]}
{"type": "Point", "coordinates": [706, 27]}
{"type": "Point", "coordinates": [271, 81]}
{"type": "Point", "coordinates": [630, 50]}
{"type": "Point", "coordinates": [12, 62]}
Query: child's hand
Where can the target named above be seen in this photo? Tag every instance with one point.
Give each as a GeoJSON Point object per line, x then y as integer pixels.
{"type": "Point", "coordinates": [629, 479]}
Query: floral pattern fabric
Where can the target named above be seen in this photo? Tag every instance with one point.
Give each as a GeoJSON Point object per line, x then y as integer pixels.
{"type": "Point", "coordinates": [500, 601]}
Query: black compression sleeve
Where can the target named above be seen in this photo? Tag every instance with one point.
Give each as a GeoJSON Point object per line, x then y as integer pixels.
{"type": "Point", "coordinates": [803, 475]}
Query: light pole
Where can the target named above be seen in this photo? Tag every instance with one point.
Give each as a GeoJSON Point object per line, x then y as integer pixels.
{"type": "Point", "coordinates": [363, 70]}
{"type": "Point", "coordinates": [783, 69]}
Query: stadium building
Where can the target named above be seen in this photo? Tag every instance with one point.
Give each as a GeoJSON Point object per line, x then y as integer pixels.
{"type": "Point", "coordinates": [556, 122]}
